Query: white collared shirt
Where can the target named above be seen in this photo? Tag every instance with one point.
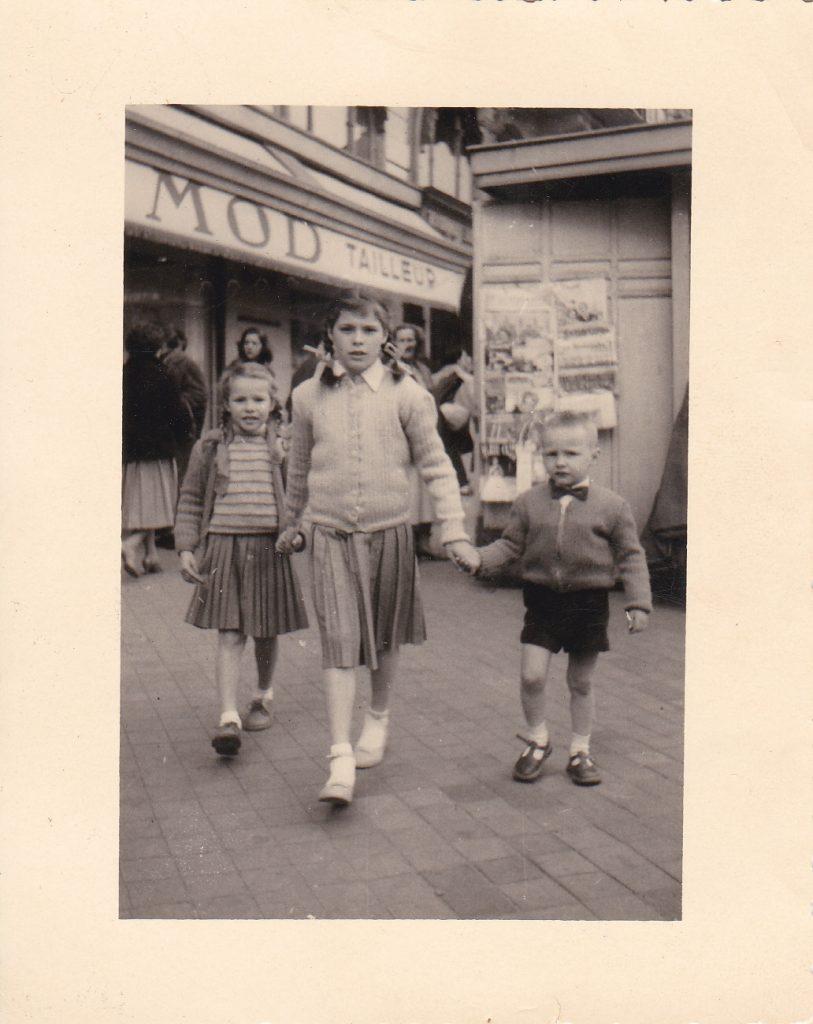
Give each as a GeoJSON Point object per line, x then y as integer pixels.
{"type": "Point", "coordinates": [373, 375]}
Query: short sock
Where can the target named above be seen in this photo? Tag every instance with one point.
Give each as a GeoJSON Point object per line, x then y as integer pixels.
{"type": "Point", "coordinates": [579, 743]}
{"type": "Point", "coordinates": [538, 734]}
{"type": "Point", "coordinates": [338, 749]}
{"type": "Point", "coordinates": [231, 716]}
{"type": "Point", "coordinates": [266, 696]}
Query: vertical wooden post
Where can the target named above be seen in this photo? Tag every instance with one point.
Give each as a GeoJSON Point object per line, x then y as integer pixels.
{"type": "Point", "coordinates": [681, 279]}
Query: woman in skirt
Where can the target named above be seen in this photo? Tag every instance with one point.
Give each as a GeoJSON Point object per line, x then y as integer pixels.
{"type": "Point", "coordinates": [154, 423]}
{"type": "Point", "coordinates": [225, 533]}
{"type": "Point", "coordinates": [358, 427]}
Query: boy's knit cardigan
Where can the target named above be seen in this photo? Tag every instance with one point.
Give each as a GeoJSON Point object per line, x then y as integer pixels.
{"type": "Point", "coordinates": [588, 545]}
{"type": "Point", "coordinates": [208, 477]}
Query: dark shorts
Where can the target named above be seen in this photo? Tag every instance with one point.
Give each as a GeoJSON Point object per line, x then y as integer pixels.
{"type": "Point", "coordinates": [575, 620]}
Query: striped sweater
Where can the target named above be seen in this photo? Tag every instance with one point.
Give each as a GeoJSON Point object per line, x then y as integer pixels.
{"type": "Point", "coordinates": [248, 504]}
{"type": "Point", "coordinates": [207, 481]}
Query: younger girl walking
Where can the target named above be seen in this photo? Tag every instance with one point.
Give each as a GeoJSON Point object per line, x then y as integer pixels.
{"type": "Point", "coordinates": [229, 515]}
{"type": "Point", "coordinates": [358, 426]}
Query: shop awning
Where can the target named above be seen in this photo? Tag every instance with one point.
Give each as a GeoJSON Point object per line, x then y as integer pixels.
{"type": "Point", "coordinates": [195, 184]}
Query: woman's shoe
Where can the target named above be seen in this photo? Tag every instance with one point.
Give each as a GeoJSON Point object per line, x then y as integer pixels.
{"type": "Point", "coordinates": [373, 740]}
{"type": "Point", "coordinates": [338, 790]}
{"type": "Point", "coordinates": [152, 565]}
{"type": "Point", "coordinates": [129, 567]}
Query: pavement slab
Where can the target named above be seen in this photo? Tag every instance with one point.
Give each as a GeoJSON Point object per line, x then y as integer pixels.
{"type": "Point", "coordinates": [439, 830]}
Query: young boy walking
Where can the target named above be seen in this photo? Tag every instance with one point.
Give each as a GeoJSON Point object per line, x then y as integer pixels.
{"type": "Point", "coordinates": [573, 539]}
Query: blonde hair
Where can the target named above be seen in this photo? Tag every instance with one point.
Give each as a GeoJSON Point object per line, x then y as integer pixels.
{"type": "Point", "coordinates": [255, 371]}
{"type": "Point", "coordinates": [567, 418]}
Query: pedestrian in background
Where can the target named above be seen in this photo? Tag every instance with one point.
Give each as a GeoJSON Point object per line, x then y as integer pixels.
{"type": "Point", "coordinates": [188, 378]}
{"type": "Point", "coordinates": [454, 392]}
{"type": "Point", "coordinates": [572, 538]}
{"type": "Point", "coordinates": [253, 347]}
{"type": "Point", "coordinates": [229, 514]}
{"type": "Point", "coordinates": [155, 423]}
{"type": "Point", "coordinates": [409, 341]}
{"type": "Point", "coordinates": [358, 427]}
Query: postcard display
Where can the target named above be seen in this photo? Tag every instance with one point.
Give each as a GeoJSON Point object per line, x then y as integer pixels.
{"type": "Point", "coordinates": [546, 346]}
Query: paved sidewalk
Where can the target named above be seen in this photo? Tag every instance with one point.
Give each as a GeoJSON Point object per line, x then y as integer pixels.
{"type": "Point", "coordinates": [439, 830]}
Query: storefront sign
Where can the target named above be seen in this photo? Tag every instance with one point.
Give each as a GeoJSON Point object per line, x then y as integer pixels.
{"type": "Point", "coordinates": [215, 219]}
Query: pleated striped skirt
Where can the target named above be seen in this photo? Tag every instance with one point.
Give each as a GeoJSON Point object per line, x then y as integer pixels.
{"type": "Point", "coordinates": [249, 587]}
{"type": "Point", "coordinates": [366, 594]}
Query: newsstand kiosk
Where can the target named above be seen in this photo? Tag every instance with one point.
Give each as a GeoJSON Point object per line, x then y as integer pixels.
{"type": "Point", "coordinates": [581, 301]}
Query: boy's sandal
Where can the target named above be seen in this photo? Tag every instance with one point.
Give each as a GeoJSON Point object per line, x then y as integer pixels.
{"type": "Point", "coordinates": [259, 717]}
{"type": "Point", "coordinates": [582, 769]}
{"type": "Point", "coordinates": [226, 740]}
{"type": "Point", "coordinates": [338, 790]}
{"type": "Point", "coordinates": [529, 765]}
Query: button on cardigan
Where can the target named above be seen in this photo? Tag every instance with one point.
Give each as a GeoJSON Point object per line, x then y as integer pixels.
{"type": "Point", "coordinates": [353, 446]}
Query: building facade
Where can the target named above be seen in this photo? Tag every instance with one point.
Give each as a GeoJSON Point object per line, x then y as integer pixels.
{"type": "Point", "coordinates": [255, 216]}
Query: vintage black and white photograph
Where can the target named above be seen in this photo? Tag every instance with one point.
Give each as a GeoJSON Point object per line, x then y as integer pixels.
{"type": "Point", "coordinates": [404, 512]}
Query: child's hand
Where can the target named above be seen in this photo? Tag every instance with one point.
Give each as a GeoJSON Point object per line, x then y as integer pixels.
{"type": "Point", "coordinates": [464, 555]}
{"type": "Point", "coordinates": [290, 540]}
{"type": "Point", "coordinates": [637, 620]}
{"type": "Point", "coordinates": [189, 568]}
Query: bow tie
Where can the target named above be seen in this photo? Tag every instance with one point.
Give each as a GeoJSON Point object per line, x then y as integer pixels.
{"type": "Point", "coordinates": [580, 491]}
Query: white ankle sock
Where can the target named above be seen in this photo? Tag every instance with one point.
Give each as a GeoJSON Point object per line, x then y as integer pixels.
{"type": "Point", "coordinates": [537, 734]}
{"type": "Point", "coordinates": [231, 716]}
{"type": "Point", "coordinates": [338, 749]}
{"type": "Point", "coordinates": [266, 696]}
{"type": "Point", "coordinates": [374, 731]}
{"type": "Point", "coordinates": [579, 743]}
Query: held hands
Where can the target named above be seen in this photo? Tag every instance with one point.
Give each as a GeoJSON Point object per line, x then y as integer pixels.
{"type": "Point", "coordinates": [637, 620]}
{"type": "Point", "coordinates": [465, 556]}
{"type": "Point", "coordinates": [189, 568]}
{"type": "Point", "coordinates": [290, 541]}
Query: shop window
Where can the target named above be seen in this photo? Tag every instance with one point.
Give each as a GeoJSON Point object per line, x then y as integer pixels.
{"type": "Point", "coordinates": [444, 134]}
{"type": "Point", "coordinates": [330, 124]}
{"type": "Point", "coordinates": [300, 117]}
{"type": "Point", "coordinates": [366, 134]}
{"type": "Point", "coordinates": [397, 141]}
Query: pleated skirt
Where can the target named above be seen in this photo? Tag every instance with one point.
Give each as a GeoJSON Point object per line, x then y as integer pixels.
{"type": "Point", "coordinates": [366, 594]}
{"type": "Point", "coordinates": [148, 495]}
{"type": "Point", "coordinates": [249, 587]}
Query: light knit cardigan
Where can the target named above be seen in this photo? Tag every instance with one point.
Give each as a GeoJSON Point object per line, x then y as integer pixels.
{"type": "Point", "coordinates": [352, 448]}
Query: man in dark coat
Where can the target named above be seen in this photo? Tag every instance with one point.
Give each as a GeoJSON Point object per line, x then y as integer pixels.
{"type": "Point", "coordinates": [187, 377]}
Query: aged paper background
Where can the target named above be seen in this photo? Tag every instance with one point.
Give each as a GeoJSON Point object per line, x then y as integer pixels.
{"type": "Point", "coordinates": [743, 949]}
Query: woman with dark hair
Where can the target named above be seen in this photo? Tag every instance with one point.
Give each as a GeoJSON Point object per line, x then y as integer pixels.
{"type": "Point", "coordinates": [154, 423]}
{"type": "Point", "coordinates": [253, 347]}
